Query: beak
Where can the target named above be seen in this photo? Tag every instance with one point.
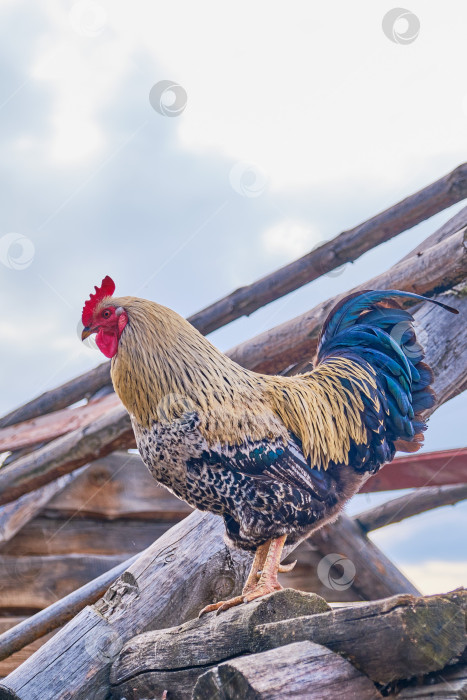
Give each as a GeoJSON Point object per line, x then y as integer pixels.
{"type": "Point", "coordinates": [86, 332]}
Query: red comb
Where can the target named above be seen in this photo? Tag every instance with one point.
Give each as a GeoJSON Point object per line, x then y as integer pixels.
{"type": "Point", "coordinates": [106, 289]}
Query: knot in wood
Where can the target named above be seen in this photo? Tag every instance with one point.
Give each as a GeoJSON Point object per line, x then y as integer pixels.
{"type": "Point", "coordinates": [119, 597]}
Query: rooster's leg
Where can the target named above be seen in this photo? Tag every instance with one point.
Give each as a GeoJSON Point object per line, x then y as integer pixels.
{"type": "Point", "coordinates": [262, 578]}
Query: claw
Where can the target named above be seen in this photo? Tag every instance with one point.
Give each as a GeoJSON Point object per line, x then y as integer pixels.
{"type": "Point", "coordinates": [285, 568]}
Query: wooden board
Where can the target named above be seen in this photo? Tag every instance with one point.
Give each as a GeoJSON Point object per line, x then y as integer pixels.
{"type": "Point", "coordinates": [426, 469]}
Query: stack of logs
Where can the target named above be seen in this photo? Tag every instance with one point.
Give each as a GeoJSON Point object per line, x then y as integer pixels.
{"type": "Point", "coordinates": [76, 513]}
{"type": "Point", "coordinates": [293, 645]}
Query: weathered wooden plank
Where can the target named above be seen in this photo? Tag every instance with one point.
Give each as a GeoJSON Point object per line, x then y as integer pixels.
{"type": "Point", "coordinates": [118, 486]}
{"type": "Point", "coordinates": [300, 670]}
{"type": "Point", "coordinates": [52, 425]}
{"type": "Point", "coordinates": [400, 637]}
{"type": "Point", "coordinates": [187, 567]}
{"type": "Point", "coordinates": [417, 470]}
{"type": "Point", "coordinates": [32, 583]}
{"type": "Point", "coordinates": [15, 515]}
{"type": "Point", "coordinates": [414, 503]}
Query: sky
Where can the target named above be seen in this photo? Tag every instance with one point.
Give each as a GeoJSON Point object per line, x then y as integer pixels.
{"type": "Point", "coordinates": [288, 123]}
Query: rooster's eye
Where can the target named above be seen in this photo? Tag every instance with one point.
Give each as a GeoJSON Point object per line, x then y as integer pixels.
{"type": "Point", "coordinates": [106, 313]}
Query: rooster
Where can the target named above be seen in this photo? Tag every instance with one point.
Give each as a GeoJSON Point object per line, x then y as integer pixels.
{"type": "Point", "coordinates": [277, 457]}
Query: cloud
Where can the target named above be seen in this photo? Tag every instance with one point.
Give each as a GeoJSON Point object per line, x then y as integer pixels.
{"type": "Point", "coordinates": [287, 240]}
{"type": "Point", "coordinates": [436, 575]}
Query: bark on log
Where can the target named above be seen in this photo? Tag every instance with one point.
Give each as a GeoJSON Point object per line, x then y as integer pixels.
{"type": "Point", "coordinates": [437, 269]}
{"type": "Point", "coordinates": [412, 471]}
{"type": "Point", "coordinates": [300, 670]}
{"type": "Point", "coordinates": [399, 637]}
{"type": "Point", "coordinates": [163, 656]}
{"type": "Point", "coordinates": [347, 246]}
{"type": "Point", "coordinates": [419, 501]}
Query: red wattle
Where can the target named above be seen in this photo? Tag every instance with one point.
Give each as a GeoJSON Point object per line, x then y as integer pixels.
{"type": "Point", "coordinates": [107, 342]}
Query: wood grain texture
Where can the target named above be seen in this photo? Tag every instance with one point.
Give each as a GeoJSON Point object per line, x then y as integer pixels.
{"type": "Point", "coordinates": [62, 456]}
{"type": "Point", "coordinates": [10, 664]}
{"type": "Point", "coordinates": [301, 670]}
{"type": "Point", "coordinates": [212, 638]}
{"type": "Point", "coordinates": [400, 637]}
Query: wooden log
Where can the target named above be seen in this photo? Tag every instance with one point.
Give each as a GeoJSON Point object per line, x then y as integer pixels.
{"type": "Point", "coordinates": [419, 501]}
{"type": "Point", "coordinates": [76, 389]}
{"type": "Point", "coordinates": [400, 637]}
{"type": "Point", "coordinates": [52, 425]}
{"type": "Point", "coordinates": [110, 432]}
{"type": "Point", "coordinates": [57, 614]}
{"type": "Point", "coordinates": [187, 567]}
{"type": "Point", "coordinates": [351, 559]}
{"type": "Point", "coordinates": [417, 470]}
{"type": "Point", "coordinates": [17, 514]}
{"type": "Point", "coordinates": [347, 246]}
{"type": "Point", "coordinates": [300, 670]}
{"type": "Point", "coordinates": [10, 664]}
{"type": "Point", "coordinates": [114, 487]}
{"type": "Point", "coordinates": [208, 640]}
{"type": "Point", "coordinates": [437, 269]}
{"type": "Point", "coordinates": [31, 583]}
